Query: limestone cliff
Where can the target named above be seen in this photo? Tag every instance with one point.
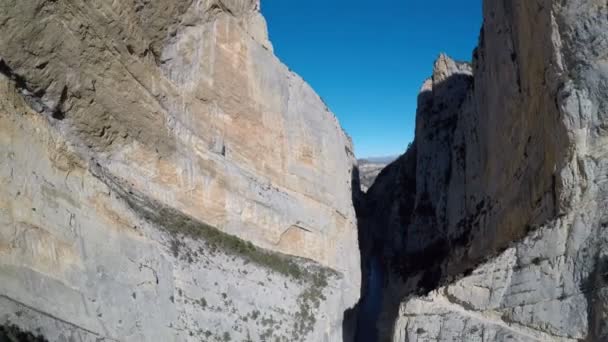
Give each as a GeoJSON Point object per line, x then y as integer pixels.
{"type": "Point", "coordinates": [492, 227]}
{"type": "Point", "coordinates": [163, 177]}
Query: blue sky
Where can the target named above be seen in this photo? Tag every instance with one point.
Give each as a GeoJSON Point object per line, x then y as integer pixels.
{"type": "Point", "coordinates": [368, 58]}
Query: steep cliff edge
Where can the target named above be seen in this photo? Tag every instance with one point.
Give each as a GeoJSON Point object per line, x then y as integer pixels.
{"type": "Point", "coordinates": [493, 225]}
{"type": "Point", "coordinates": [163, 177]}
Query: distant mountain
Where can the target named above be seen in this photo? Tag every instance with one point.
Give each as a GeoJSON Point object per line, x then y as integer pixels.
{"type": "Point", "coordinates": [378, 160]}
{"type": "Point", "coordinates": [369, 169]}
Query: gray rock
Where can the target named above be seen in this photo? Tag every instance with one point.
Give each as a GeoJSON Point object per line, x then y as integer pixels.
{"type": "Point", "coordinates": [492, 224]}
{"type": "Point", "coordinates": [163, 177]}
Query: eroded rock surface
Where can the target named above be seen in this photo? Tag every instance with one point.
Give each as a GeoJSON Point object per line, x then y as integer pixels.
{"type": "Point", "coordinates": [492, 227]}
{"type": "Point", "coordinates": [163, 177]}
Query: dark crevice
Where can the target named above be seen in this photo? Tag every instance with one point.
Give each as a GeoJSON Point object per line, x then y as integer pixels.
{"type": "Point", "coordinates": [33, 97]}
{"type": "Point", "coordinates": [58, 112]}
{"type": "Point", "coordinates": [130, 49]}
{"type": "Point", "coordinates": [219, 7]}
{"type": "Point", "coordinates": [8, 72]}
{"type": "Point", "coordinates": [596, 293]}
{"type": "Point", "coordinates": [12, 333]}
{"type": "Point", "coordinates": [42, 65]}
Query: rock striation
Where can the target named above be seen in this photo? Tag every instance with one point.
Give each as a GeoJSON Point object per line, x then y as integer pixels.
{"type": "Point", "coordinates": [492, 226]}
{"type": "Point", "coordinates": [163, 177]}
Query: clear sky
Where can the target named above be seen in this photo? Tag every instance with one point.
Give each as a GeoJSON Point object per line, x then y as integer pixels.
{"type": "Point", "coordinates": [368, 58]}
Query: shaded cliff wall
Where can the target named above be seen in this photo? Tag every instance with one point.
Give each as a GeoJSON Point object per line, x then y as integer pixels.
{"type": "Point", "coordinates": [508, 172]}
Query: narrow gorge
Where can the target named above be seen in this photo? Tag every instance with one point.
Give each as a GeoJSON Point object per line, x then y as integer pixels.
{"type": "Point", "coordinates": [164, 177]}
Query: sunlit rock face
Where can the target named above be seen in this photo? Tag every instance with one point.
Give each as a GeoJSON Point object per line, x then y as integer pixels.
{"type": "Point", "coordinates": [493, 225]}
{"type": "Point", "coordinates": [163, 177]}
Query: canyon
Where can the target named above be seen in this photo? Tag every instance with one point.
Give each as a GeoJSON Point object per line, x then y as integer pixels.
{"type": "Point", "coordinates": [164, 177]}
